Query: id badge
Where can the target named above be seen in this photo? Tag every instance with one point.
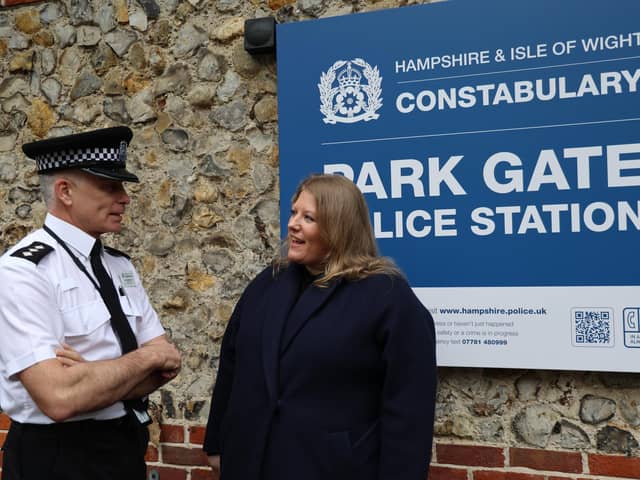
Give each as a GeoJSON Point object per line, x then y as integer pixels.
{"type": "Point", "coordinates": [143, 417]}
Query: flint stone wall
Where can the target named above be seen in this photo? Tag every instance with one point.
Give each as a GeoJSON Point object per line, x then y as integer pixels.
{"type": "Point", "coordinates": [204, 219]}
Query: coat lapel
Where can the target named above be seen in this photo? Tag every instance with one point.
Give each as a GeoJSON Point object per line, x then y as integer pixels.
{"type": "Point", "coordinates": [310, 301]}
{"type": "Point", "coordinates": [280, 300]}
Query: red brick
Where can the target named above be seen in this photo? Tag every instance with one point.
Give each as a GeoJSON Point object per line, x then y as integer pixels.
{"type": "Point", "coordinates": [168, 473]}
{"type": "Point", "coordinates": [614, 466]}
{"type": "Point", "coordinates": [172, 433]}
{"type": "Point", "coordinates": [5, 422]}
{"type": "Point", "coordinates": [196, 435]}
{"type": "Point", "coordinates": [570, 478]}
{"type": "Point", "coordinates": [446, 473]}
{"type": "Point", "coordinates": [473, 455]}
{"type": "Point", "coordinates": [197, 474]}
{"type": "Point", "coordinates": [499, 475]}
{"type": "Point", "coordinates": [9, 3]}
{"type": "Point", "coordinates": [568, 462]}
{"type": "Point", "coordinates": [152, 454]}
{"type": "Point", "coordinates": [183, 456]}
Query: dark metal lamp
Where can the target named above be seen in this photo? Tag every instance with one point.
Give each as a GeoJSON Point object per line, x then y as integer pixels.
{"type": "Point", "coordinates": [260, 35]}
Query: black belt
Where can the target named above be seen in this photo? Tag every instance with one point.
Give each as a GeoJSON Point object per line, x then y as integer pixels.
{"type": "Point", "coordinates": [74, 426]}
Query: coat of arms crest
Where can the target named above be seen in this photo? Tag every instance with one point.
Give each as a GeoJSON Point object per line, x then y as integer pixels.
{"type": "Point", "coordinates": [347, 97]}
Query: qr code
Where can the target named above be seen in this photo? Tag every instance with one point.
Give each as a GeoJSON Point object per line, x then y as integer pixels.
{"type": "Point", "coordinates": [592, 327]}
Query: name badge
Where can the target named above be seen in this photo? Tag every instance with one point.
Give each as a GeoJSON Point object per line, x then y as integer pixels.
{"type": "Point", "coordinates": [143, 417]}
{"type": "Point", "coordinates": [128, 279]}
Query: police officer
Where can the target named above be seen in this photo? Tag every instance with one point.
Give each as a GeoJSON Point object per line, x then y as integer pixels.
{"type": "Point", "coordinates": [81, 347]}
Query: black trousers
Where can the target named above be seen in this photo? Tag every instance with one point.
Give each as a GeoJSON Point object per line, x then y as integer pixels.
{"type": "Point", "coordinates": [83, 450]}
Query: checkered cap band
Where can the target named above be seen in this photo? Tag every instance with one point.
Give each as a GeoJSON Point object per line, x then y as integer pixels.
{"type": "Point", "coordinates": [81, 158]}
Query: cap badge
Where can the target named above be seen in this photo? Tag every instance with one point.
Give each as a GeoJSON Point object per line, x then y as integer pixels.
{"type": "Point", "coordinates": [122, 154]}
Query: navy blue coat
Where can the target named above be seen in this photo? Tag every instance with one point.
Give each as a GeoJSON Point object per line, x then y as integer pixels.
{"type": "Point", "coordinates": [338, 383]}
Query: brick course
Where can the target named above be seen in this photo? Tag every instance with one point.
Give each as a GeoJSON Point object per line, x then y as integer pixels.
{"type": "Point", "coordinates": [196, 435]}
{"type": "Point", "coordinates": [446, 473]}
{"type": "Point", "coordinates": [190, 462]}
{"type": "Point", "coordinates": [10, 3]}
{"type": "Point", "coordinates": [183, 456]}
{"type": "Point", "coordinates": [614, 466]}
{"type": "Point", "coordinates": [172, 433]}
{"type": "Point", "coordinates": [569, 462]}
{"type": "Point", "coordinates": [198, 474]}
{"type": "Point", "coordinates": [470, 455]}
{"type": "Point", "coordinates": [501, 475]}
{"type": "Point", "coordinates": [152, 454]}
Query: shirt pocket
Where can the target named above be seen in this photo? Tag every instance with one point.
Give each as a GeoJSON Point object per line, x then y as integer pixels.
{"type": "Point", "coordinates": [83, 319]}
{"type": "Point", "coordinates": [130, 308]}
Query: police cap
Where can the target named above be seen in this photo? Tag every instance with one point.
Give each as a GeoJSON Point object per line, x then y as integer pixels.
{"type": "Point", "coordinates": [100, 152]}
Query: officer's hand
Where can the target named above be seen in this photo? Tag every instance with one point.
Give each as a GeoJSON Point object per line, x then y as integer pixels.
{"type": "Point", "coordinates": [169, 374]}
{"type": "Point", "coordinates": [214, 462]}
{"type": "Point", "coordinates": [66, 355]}
{"type": "Point", "coordinates": [165, 354]}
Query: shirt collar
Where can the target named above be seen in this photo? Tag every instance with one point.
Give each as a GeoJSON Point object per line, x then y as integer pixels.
{"type": "Point", "coordinates": [70, 234]}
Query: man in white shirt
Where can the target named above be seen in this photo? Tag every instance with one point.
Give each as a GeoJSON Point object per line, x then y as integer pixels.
{"type": "Point", "coordinates": [80, 345]}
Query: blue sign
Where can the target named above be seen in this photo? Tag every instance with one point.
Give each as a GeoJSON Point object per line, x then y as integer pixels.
{"type": "Point", "coordinates": [497, 143]}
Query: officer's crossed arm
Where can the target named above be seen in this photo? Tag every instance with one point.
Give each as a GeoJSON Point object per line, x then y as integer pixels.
{"type": "Point", "coordinates": [69, 357]}
{"type": "Point", "coordinates": [62, 391]}
{"type": "Point", "coordinates": [155, 379]}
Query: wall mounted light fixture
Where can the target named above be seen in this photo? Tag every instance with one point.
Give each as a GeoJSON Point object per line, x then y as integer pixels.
{"type": "Point", "coordinates": [260, 35]}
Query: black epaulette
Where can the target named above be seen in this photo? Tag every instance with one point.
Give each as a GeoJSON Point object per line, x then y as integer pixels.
{"type": "Point", "coordinates": [116, 253]}
{"type": "Point", "coordinates": [34, 252]}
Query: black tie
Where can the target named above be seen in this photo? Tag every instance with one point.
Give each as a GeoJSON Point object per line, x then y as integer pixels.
{"type": "Point", "coordinates": [119, 321]}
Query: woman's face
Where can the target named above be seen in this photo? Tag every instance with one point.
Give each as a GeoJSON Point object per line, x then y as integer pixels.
{"type": "Point", "coordinates": [306, 245]}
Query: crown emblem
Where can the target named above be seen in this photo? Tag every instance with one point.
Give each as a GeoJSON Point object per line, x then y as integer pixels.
{"type": "Point", "coordinates": [349, 77]}
{"type": "Point", "coordinates": [345, 97]}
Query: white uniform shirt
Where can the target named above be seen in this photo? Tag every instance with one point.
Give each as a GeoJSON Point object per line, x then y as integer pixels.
{"type": "Point", "coordinates": [52, 301]}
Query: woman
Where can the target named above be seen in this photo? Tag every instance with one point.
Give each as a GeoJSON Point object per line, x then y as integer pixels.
{"type": "Point", "coordinates": [327, 368]}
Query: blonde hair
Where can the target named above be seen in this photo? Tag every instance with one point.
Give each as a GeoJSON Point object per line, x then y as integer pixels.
{"type": "Point", "coordinates": [343, 219]}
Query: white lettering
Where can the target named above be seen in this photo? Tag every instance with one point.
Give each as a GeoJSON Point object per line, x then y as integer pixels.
{"type": "Point", "coordinates": [369, 172]}
{"type": "Point", "coordinates": [438, 174]}
{"type": "Point", "coordinates": [547, 158]}
{"type": "Point", "coordinates": [615, 165]}
{"type": "Point", "coordinates": [515, 183]}
{"type": "Point", "coordinates": [412, 178]}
